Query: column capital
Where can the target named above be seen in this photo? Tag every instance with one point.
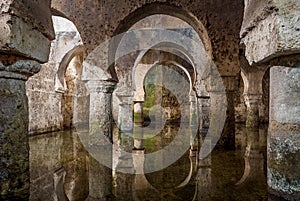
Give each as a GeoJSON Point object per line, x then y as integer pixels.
{"type": "Point", "coordinates": [103, 86]}
{"type": "Point", "coordinates": [21, 69]}
{"type": "Point", "coordinates": [125, 98]}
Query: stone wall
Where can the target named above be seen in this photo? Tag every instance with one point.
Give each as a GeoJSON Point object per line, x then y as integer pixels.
{"type": "Point", "coordinates": [47, 102]}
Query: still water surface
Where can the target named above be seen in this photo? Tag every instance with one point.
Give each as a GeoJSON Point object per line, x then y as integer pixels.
{"type": "Point", "coordinates": [59, 166]}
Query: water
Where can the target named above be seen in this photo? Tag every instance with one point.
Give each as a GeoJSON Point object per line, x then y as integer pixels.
{"type": "Point", "coordinates": [59, 167]}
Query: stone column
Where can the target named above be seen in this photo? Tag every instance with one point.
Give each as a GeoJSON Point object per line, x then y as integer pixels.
{"type": "Point", "coordinates": [252, 78]}
{"type": "Point", "coordinates": [74, 159]}
{"type": "Point", "coordinates": [14, 154]}
{"type": "Point", "coordinates": [228, 136]}
{"type": "Point", "coordinates": [221, 91]}
{"type": "Point", "coordinates": [125, 121]}
{"type": "Point", "coordinates": [204, 183]}
{"type": "Point", "coordinates": [193, 111]}
{"type": "Point", "coordinates": [193, 125]}
{"type": "Point", "coordinates": [138, 124]}
{"type": "Point", "coordinates": [25, 36]}
{"type": "Point", "coordinates": [203, 105]}
{"type": "Point", "coordinates": [138, 134]}
{"type": "Point", "coordinates": [124, 170]}
{"type": "Point", "coordinates": [138, 112]}
{"type": "Point", "coordinates": [284, 133]}
{"type": "Point", "coordinates": [203, 179]}
{"type": "Point", "coordinates": [252, 126]}
{"type": "Point", "coordinates": [252, 103]}
{"type": "Point", "coordinates": [254, 161]}
{"type": "Point", "coordinates": [204, 119]}
{"type": "Point", "coordinates": [100, 140]}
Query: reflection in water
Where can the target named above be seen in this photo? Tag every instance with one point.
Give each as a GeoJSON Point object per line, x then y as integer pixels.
{"type": "Point", "coordinates": [59, 170]}
{"type": "Point", "coordinates": [58, 160]}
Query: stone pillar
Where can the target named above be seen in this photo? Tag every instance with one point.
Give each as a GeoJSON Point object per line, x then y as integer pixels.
{"type": "Point", "coordinates": [138, 112]}
{"type": "Point", "coordinates": [284, 133]}
{"type": "Point", "coordinates": [203, 179]}
{"type": "Point", "coordinates": [141, 184]}
{"type": "Point", "coordinates": [254, 161]}
{"type": "Point", "coordinates": [194, 123]}
{"type": "Point", "coordinates": [263, 22]}
{"type": "Point", "coordinates": [222, 135]}
{"type": "Point", "coordinates": [203, 183]}
{"type": "Point", "coordinates": [221, 91]}
{"type": "Point", "coordinates": [25, 36]}
{"type": "Point", "coordinates": [193, 111]}
{"type": "Point", "coordinates": [138, 125]}
{"type": "Point", "coordinates": [252, 103]}
{"type": "Point", "coordinates": [100, 140]}
{"type": "Point", "coordinates": [204, 105]}
{"type": "Point", "coordinates": [252, 78]}
{"type": "Point", "coordinates": [252, 126]}
{"type": "Point", "coordinates": [124, 170]}
{"type": "Point", "coordinates": [138, 135]}
{"type": "Point", "coordinates": [14, 154]}
{"type": "Point", "coordinates": [228, 136]}
{"type": "Point", "coordinates": [74, 159]}
{"type": "Point", "coordinates": [204, 120]}
{"type": "Point", "coordinates": [125, 121]}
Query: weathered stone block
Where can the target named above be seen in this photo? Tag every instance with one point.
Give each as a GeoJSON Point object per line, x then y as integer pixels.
{"type": "Point", "coordinates": [19, 37]}
{"type": "Point", "coordinates": [285, 95]}
{"type": "Point", "coordinates": [284, 161]}
{"type": "Point", "coordinates": [274, 31]}
{"type": "Point", "coordinates": [35, 12]}
{"type": "Point", "coordinates": [255, 11]}
{"type": "Point", "coordinates": [284, 133]}
{"type": "Point", "coordinates": [14, 152]}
